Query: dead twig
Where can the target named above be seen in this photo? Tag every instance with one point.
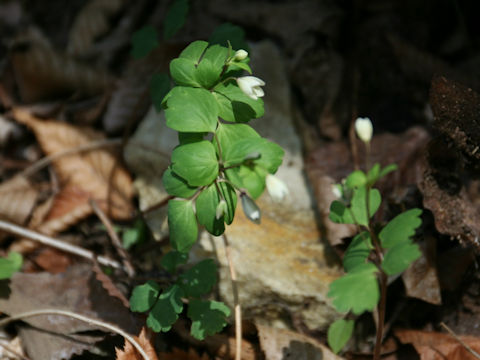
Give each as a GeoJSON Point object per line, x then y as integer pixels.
{"type": "Point", "coordinates": [57, 244]}
{"type": "Point", "coordinates": [236, 302]}
{"type": "Point", "coordinates": [468, 348]}
{"type": "Point", "coordinates": [83, 318]}
{"type": "Point", "coordinates": [114, 237]}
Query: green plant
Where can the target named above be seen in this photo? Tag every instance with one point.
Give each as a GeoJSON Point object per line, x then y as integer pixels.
{"type": "Point", "coordinates": [219, 157]}
{"type": "Point", "coordinates": [374, 253]}
{"type": "Point", "coordinates": [10, 265]}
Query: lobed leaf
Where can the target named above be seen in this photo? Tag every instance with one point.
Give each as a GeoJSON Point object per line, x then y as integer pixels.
{"type": "Point", "coordinates": [194, 51]}
{"type": "Point", "coordinates": [144, 296]}
{"type": "Point", "coordinates": [196, 163]}
{"type": "Point", "coordinates": [356, 179]}
{"type": "Point", "coordinates": [172, 259]}
{"type": "Point", "coordinates": [165, 311]}
{"type": "Point", "coordinates": [206, 206]}
{"type": "Point", "coordinates": [191, 110]}
{"type": "Point", "coordinates": [359, 204]}
{"type": "Point", "coordinates": [251, 178]}
{"type": "Point", "coordinates": [177, 186]}
{"type": "Point", "coordinates": [208, 317]}
{"type": "Point", "coordinates": [358, 251]}
{"type": "Point", "coordinates": [340, 213]}
{"type": "Point", "coordinates": [400, 229]}
{"type": "Point", "coordinates": [339, 333]}
{"type": "Point", "coordinates": [356, 291]}
{"type": "Point", "coordinates": [199, 279]}
{"type": "Point", "coordinates": [182, 224]}
{"type": "Point", "coordinates": [399, 257]}
{"type": "Point", "coordinates": [183, 72]}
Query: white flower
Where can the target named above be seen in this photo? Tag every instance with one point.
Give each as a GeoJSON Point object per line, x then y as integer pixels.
{"type": "Point", "coordinates": [250, 85]}
{"type": "Point", "coordinates": [337, 190]}
{"type": "Point", "coordinates": [276, 187]}
{"type": "Point", "coordinates": [240, 55]}
{"type": "Point", "coordinates": [250, 209]}
{"type": "Point", "coordinates": [221, 209]}
{"type": "Point", "coordinates": [364, 129]}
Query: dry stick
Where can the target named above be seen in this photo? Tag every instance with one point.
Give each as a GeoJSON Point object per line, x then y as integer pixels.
{"type": "Point", "coordinates": [236, 303]}
{"type": "Point", "coordinates": [57, 244]}
{"type": "Point", "coordinates": [11, 351]}
{"type": "Point", "coordinates": [114, 237]}
{"type": "Point", "coordinates": [83, 318]}
{"type": "Point", "coordinates": [455, 336]}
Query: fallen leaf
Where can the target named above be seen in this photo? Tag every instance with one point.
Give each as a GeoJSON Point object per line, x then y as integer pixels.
{"type": "Point", "coordinates": [52, 260]}
{"type": "Point", "coordinates": [95, 174]}
{"type": "Point", "coordinates": [279, 344]}
{"type": "Point", "coordinates": [145, 340]}
{"type": "Point", "coordinates": [41, 73]}
{"type": "Point", "coordinates": [439, 346]}
{"type": "Point", "coordinates": [108, 285]}
{"type": "Point", "coordinates": [178, 354]}
{"type": "Point", "coordinates": [17, 199]}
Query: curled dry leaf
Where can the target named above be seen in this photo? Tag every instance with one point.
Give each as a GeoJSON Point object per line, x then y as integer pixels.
{"type": "Point", "coordinates": [41, 73]}
{"type": "Point", "coordinates": [145, 339]}
{"type": "Point", "coordinates": [91, 22]}
{"type": "Point", "coordinates": [95, 174]}
{"type": "Point", "coordinates": [17, 199]}
{"type": "Point", "coordinates": [108, 285]}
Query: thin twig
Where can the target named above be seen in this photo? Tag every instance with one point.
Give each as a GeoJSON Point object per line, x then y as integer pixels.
{"type": "Point", "coordinates": [236, 302]}
{"type": "Point", "coordinates": [40, 164]}
{"type": "Point", "coordinates": [83, 318]}
{"type": "Point", "coordinates": [114, 237]}
{"type": "Point", "coordinates": [455, 336]}
{"type": "Point", "coordinates": [57, 244]}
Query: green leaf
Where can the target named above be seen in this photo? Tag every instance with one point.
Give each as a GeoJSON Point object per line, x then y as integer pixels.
{"type": "Point", "coordinates": [191, 110]}
{"type": "Point", "coordinates": [208, 317]}
{"type": "Point", "coordinates": [207, 73]}
{"type": "Point", "coordinates": [239, 65]}
{"type": "Point", "coordinates": [228, 134]}
{"type": "Point", "coordinates": [144, 41]}
{"type": "Point", "coordinates": [159, 87]}
{"type": "Point", "coordinates": [10, 265]}
{"type": "Point", "coordinates": [134, 235]}
{"type": "Point", "coordinates": [144, 296]}
{"type": "Point", "coordinates": [357, 291]}
{"type": "Point", "coordinates": [234, 105]}
{"type": "Point", "coordinates": [356, 179]}
{"type": "Point", "coordinates": [194, 51]}
{"type": "Point", "coordinates": [339, 333]}
{"type": "Point", "coordinates": [400, 229]}
{"type": "Point", "coordinates": [187, 138]}
{"type": "Point", "coordinates": [184, 72]}
{"type": "Point", "coordinates": [172, 259]}
{"type": "Point", "coordinates": [249, 177]}
{"type": "Point", "coordinates": [216, 55]}
{"type": "Point", "coordinates": [359, 204]}
{"type": "Point", "coordinates": [387, 169]}
{"type": "Point", "coordinates": [175, 18]}
{"type": "Point", "coordinates": [196, 163]}
{"type": "Point", "coordinates": [206, 206]}
{"type": "Point", "coordinates": [166, 309]}
{"type": "Point", "coordinates": [200, 279]}
{"type": "Point", "coordinates": [230, 197]}
{"type": "Point", "coordinates": [399, 257]}
{"type": "Point", "coordinates": [340, 213]}
{"type": "Point", "coordinates": [182, 224]}
{"type": "Point", "coordinates": [373, 173]}
{"type": "Point", "coordinates": [226, 33]}
{"type": "Point", "coordinates": [358, 251]}
{"type": "Point", "coordinates": [176, 186]}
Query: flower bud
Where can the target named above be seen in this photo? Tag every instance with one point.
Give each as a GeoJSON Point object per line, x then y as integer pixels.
{"type": "Point", "coordinates": [250, 85]}
{"type": "Point", "coordinates": [250, 209]}
{"type": "Point", "coordinates": [240, 55]}
{"type": "Point", "coordinates": [364, 129]}
{"type": "Point", "coordinates": [221, 209]}
{"type": "Point", "coordinates": [276, 187]}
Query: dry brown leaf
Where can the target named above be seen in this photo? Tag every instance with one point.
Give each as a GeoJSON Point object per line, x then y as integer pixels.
{"type": "Point", "coordinates": [41, 73]}
{"type": "Point", "coordinates": [94, 174]}
{"type": "Point", "coordinates": [439, 346]}
{"type": "Point", "coordinates": [145, 339]}
{"type": "Point", "coordinates": [17, 199]}
{"type": "Point", "coordinates": [91, 22]}
{"type": "Point", "coordinates": [52, 260]}
{"type": "Point", "coordinates": [108, 285]}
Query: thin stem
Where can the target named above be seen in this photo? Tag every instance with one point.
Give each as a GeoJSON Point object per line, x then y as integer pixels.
{"type": "Point", "coordinates": [83, 318]}
{"type": "Point", "coordinates": [114, 237]}
{"type": "Point", "coordinates": [455, 336]}
{"type": "Point", "coordinates": [381, 315]}
{"type": "Point", "coordinates": [236, 302]}
{"type": "Point", "coordinates": [57, 244]}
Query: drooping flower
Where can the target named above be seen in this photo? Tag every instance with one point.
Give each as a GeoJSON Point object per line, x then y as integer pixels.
{"type": "Point", "coordinates": [251, 86]}
{"type": "Point", "coordinates": [240, 55]}
{"type": "Point", "coordinates": [276, 187]}
{"type": "Point", "coordinates": [250, 209]}
{"type": "Point", "coordinates": [364, 129]}
{"type": "Point", "coordinates": [221, 209]}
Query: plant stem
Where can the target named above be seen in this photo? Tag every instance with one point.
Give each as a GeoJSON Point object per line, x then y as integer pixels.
{"type": "Point", "coordinates": [381, 315]}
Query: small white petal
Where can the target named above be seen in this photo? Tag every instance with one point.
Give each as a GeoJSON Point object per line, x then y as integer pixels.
{"type": "Point", "coordinates": [364, 129]}
{"type": "Point", "coordinates": [276, 188]}
{"type": "Point", "coordinates": [240, 55]}
{"type": "Point", "coordinates": [250, 85]}
{"type": "Point", "coordinates": [255, 215]}
{"type": "Point", "coordinates": [336, 191]}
